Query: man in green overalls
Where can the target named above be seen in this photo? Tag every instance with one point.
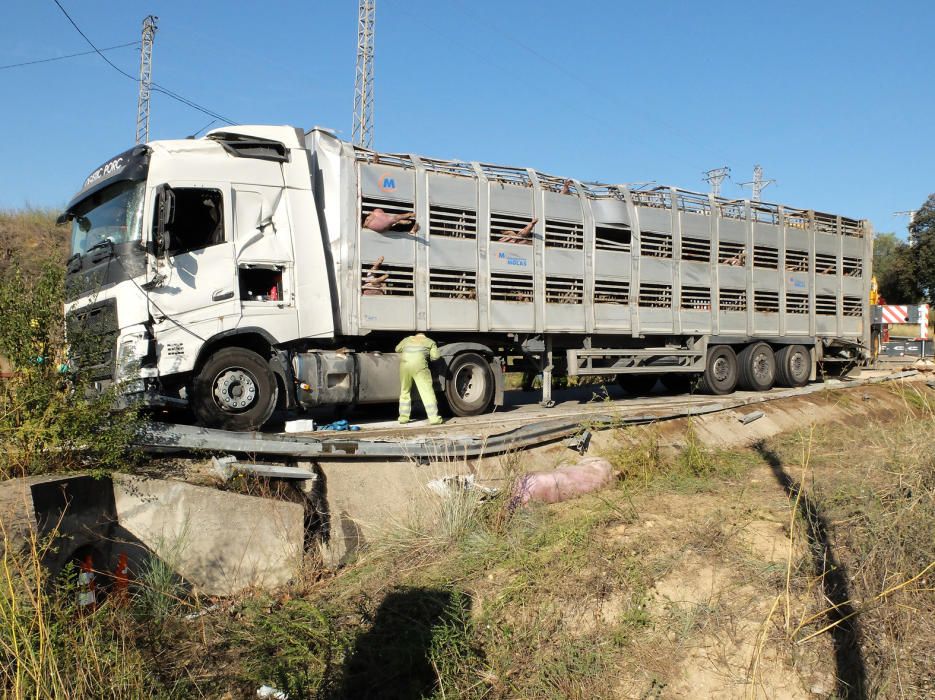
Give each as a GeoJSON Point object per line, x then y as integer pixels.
{"type": "Point", "coordinates": [414, 355]}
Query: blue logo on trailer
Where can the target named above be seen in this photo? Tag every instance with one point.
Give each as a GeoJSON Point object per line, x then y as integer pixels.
{"type": "Point", "coordinates": [387, 182]}
{"type": "Point", "coordinates": [513, 260]}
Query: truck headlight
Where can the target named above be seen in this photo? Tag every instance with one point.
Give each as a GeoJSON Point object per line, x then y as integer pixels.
{"type": "Point", "coordinates": [132, 349]}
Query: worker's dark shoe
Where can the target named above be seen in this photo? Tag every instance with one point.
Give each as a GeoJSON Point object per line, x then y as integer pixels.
{"type": "Point", "coordinates": [437, 420]}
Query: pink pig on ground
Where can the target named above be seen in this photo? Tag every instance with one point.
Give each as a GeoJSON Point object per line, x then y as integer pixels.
{"type": "Point", "coordinates": [564, 483]}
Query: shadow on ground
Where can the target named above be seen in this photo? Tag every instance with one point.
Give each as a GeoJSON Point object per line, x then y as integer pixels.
{"type": "Point", "coordinates": [392, 659]}
{"type": "Point", "coordinates": [850, 672]}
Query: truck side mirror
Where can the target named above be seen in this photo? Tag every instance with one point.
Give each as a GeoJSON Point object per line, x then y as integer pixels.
{"type": "Point", "coordinates": [165, 216]}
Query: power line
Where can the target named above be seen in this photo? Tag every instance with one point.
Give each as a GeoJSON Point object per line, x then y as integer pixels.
{"type": "Point", "coordinates": [62, 58]}
{"type": "Point", "coordinates": [156, 86]}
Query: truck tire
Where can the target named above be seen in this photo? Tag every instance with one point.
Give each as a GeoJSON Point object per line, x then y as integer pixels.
{"type": "Point", "coordinates": [637, 384]}
{"type": "Point", "coordinates": [757, 364]}
{"type": "Point", "coordinates": [720, 374]}
{"type": "Point", "coordinates": [234, 390]}
{"type": "Point", "coordinates": [469, 387]}
{"type": "Point", "coordinates": [793, 366]}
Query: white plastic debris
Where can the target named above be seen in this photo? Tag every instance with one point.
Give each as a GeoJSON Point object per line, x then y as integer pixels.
{"type": "Point", "coordinates": [303, 425]}
{"type": "Point", "coordinates": [269, 693]}
{"type": "Point", "coordinates": [446, 486]}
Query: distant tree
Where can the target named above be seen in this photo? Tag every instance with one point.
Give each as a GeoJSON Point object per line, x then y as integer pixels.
{"type": "Point", "coordinates": [895, 269]}
{"type": "Point", "coordinates": [922, 232]}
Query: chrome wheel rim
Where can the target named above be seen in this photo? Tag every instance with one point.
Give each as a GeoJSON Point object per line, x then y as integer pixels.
{"type": "Point", "coordinates": [235, 390]}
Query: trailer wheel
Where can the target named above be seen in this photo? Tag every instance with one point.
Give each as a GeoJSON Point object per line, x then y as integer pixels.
{"type": "Point", "coordinates": [757, 367]}
{"type": "Point", "coordinates": [720, 374]}
{"type": "Point", "coordinates": [637, 384]}
{"type": "Point", "coordinates": [234, 390]}
{"type": "Point", "coordinates": [469, 387]}
{"type": "Point", "coordinates": [793, 365]}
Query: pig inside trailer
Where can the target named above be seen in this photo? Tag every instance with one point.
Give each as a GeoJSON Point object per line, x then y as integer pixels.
{"type": "Point", "coordinates": [246, 280]}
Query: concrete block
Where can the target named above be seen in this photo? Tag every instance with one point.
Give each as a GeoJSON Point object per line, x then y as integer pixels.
{"type": "Point", "coordinates": [220, 542]}
{"type": "Point", "coordinates": [365, 501]}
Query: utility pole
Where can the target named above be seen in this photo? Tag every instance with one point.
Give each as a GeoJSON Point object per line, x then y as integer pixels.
{"type": "Point", "coordinates": [715, 177]}
{"type": "Point", "coordinates": [362, 133]}
{"type": "Point", "coordinates": [758, 184]}
{"type": "Point", "coordinates": [911, 213]}
{"type": "Point", "coordinates": [146, 79]}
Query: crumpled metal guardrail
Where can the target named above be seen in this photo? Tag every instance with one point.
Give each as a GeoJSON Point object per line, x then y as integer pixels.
{"type": "Point", "coordinates": [175, 438]}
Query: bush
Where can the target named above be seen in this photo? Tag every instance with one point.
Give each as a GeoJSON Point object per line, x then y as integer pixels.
{"type": "Point", "coordinates": [48, 422]}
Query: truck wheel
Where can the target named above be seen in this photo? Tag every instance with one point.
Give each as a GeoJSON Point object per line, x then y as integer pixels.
{"type": "Point", "coordinates": [793, 366]}
{"type": "Point", "coordinates": [757, 367]}
{"type": "Point", "coordinates": [720, 374]}
{"type": "Point", "coordinates": [469, 388]}
{"type": "Point", "coordinates": [235, 390]}
{"type": "Point", "coordinates": [637, 384]}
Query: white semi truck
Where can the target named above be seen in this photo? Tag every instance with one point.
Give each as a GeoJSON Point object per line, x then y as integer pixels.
{"type": "Point", "coordinates": [229, 274]}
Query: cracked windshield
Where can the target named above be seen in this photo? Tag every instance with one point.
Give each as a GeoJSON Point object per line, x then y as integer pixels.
{"type": "Point", "coordinates": [115, 214]}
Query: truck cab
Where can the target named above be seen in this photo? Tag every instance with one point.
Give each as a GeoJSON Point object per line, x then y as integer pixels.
{"type": "Point", "coordinates": [184, 249]}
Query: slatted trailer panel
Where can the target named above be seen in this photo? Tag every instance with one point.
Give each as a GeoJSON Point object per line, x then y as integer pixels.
{"type": "Point", "coordinates": [600, 259]}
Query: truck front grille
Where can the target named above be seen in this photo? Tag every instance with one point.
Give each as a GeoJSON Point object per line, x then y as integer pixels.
{"type": "Point", "coordinates": [92, 337]}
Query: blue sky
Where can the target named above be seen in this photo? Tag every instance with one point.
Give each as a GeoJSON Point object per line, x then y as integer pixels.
{"type": "Point", "coordinates": [833, 99]}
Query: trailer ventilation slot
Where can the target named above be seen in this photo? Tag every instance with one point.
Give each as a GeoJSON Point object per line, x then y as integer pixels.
{"type": "Point", "coordinates": [826, 223]}
{"type": "Point", "coordinates": [399, 283]}
{"type": "Point", "coordinates": [448, 167]}
{"type": "Point", "coordinates": [796, 303]}
{"type": "Point", "coordinates": [452, 284]}
{"type": "Point", "coordinates": [452, 222]}
{"type": "Point", "coordinates": [506, 287]}
{"type": "Point", "coordinates": [696, 298]}
{"type": "Point", "coordinates": [796, 260]}
{"type": "Point", "coordinates": [505, 228]}
{"type": "Point", "coordinates": [826, 305]}
{"type": "Point", "coordinates": [826, 264]}
{"type": "Point", "coordinates": [694, 203]}
{"type": "Point", "coordinates": [561, 185]}
{"type": "Point", "coordinates": [656, 245]}
{"type": "Point", "coordinates": [765, 213]}
{"type": "Point", "coordinates": [852, 227]}
{"type": "Point", "coordinates": [765, 301]}
{"type": "Point", "coordinates": [766, 257]}
{"type": "Point", "coordinates": [564, 234]}
{"type": "Point", "coordinates": [852, 306]}
{"type": "Point", "coordinates": [656, 199]}
{"type": "Point", "coordinates": [852, 267]}
{"type": "Point", "coordinates": [611, 291]}
{"type": "Point", "coordinates": [598, 190]}
{"type": "Point", "coordinates": [733, 254]}
{"type": "Point", "coordinates": [795, 218]}
{"type": "Point", "coordinates": [615, 237]}
{"type": "Point", "coordinates": [655, 295]}
{"type": "Point", "coordinates": [399, 160]}
{"type": "Point", "coordinates": [507, 175]}
{"type": "Point", "coordinates": [390, 206]}
{"type": "Point", "coordinates": [733, 209]}
{"type": "Point", "coordinates": [733, 300]}
{"type": "Point", "coordinates": [698, 249]}
{"type": "Point", "coordinates": [563, 290]}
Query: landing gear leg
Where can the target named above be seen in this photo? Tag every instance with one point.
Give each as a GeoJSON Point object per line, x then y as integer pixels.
{"type": "Point", "coordinates": [547, 401]}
